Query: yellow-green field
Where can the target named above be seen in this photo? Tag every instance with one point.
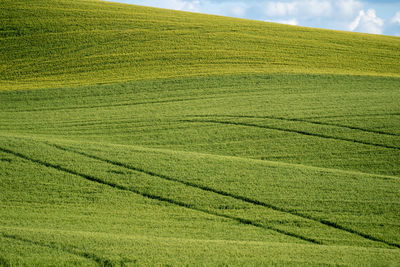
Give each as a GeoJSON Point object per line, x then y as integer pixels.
{"type": "Point", "coordinates": [163, 138]}
{"type": "Point", "coordinates": [72, 43]}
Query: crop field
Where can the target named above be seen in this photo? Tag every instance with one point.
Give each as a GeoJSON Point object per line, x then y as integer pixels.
{"type": "Point", "coordinates": [151, 137]}
{"type": "Point", "coordinates": [58, 43]}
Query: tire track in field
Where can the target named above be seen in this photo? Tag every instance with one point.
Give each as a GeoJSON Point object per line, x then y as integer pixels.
{"type": "Point", "coordinates": [294, 131]}
{"type": "Point", "coordinates": [112, 105]}
{"type": "Point", "coordinates": [300, 120]}
{"type": "Point", "coordinates": [70, 250]}
{"type": "Point", "coordinates": [342, 126]}
{"type": "Point", "coordinates": [238, 197]}
{"type": "Point", "coordinates": [352, 115]}
{"type": "Point", "coordinates": [159, 198]}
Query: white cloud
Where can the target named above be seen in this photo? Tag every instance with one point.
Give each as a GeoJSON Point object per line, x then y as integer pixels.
{"type": "Point", "coordinates": [367, 22]}
{"type": "Point", "coordinates": [288, 21]}
{"type": "Point", "coordinates": [281, 9]}
{"type": "Point", "coordinates": [300, 8]}
{"type": "Point", "coordinates": [183, 5]}
{"type": "Point", "coordinates": [348, 8]}
{"type": "Point", "coordinates": [225, 8]}
{"type": "Point", "coordinates": [316, 8]}
{"type": "Point", "coordinates": [193, 6]}
{"type": "Point", "coordinates": [238, 10]}
{"type": "Point", "coordinates": [332, 14]}
{"type": "Point", "coordinates": [396, 18]}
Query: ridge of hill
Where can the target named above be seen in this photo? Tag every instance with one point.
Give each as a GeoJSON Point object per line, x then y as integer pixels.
{"type": "Point", "coordinates": [68, 43]}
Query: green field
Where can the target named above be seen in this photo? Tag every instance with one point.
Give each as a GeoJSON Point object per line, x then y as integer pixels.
{"type": "Point", "coordinates": [166, 138]}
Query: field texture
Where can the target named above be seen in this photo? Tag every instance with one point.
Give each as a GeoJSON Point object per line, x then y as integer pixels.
{"type": "Point", "coordinates": [59, 43]}
{"type": "Point", "coordinates": [164, 138]}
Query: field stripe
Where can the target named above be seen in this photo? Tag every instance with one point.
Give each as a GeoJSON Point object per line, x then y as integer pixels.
{"type": "Point", "coordinates": [353, 115]}
{"type": "Point", "coordinates": [294, 131]}
{"type": "Point", "coordinates": [342, 126]}
{"type": "Point", "coordinates": [302, 120]}
{"type": "Point", "coordinates": [74, 251]}
{"type": "Point", "coordinates": [112, 105]}
{"type": "Point", "coordinates": [274, 163]}
{"type": "Point", "coordinates": [159, 198]}
{"type": "Point", "coordinates": [242, 198]}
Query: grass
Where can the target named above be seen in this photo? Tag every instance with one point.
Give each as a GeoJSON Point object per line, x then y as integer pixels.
{"type": "Point", "coordinates": [63, 43]}
{"type": "Point", "coordinates": [219, 157]}
{"type": "Point", "coordinates": [255, 176]}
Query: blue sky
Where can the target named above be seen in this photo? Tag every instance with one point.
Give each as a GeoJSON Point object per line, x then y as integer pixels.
{"type": "Point", "coordinates": [377, 17]}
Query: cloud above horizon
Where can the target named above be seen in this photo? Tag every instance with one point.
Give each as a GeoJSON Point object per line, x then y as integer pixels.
{"type": "Point", "coordinates": [367, 22]}
{"type": "Point", "coordinates": [368, 16]}
{"type": "Point", "coordinates": [396, 18]}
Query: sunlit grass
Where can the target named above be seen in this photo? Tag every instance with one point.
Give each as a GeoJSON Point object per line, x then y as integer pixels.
{"type": "Point", "coordinates": [158, 137]}
{"type": "Point", "coordinates": [70, 43]}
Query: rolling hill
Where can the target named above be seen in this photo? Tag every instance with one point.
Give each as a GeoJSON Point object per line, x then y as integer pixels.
{"type": "Point", "coordinates": [135, 136]}
{"type": "Point", "coordinates": [62, 43]}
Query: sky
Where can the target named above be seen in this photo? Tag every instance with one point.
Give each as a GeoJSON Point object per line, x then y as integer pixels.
{"type": "Point", "coordinates": [368, 16]}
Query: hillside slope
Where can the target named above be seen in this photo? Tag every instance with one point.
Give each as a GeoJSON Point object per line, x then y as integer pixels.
{"type": "Point", "coordinates": [157, 137]}
{"type": "Point", "coordinates": [62, 43]}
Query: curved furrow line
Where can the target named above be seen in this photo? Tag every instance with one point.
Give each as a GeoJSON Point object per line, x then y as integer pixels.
{"type": "Point", "coordinates": [301, 120]}
{"type": "Point", "coordinates": [352, 115]}
{"type": "Point", "coordinates": [111, 105]}
{"type": "Point", "coordinates": [275, 163]}
{"type": "Point", "coordinates": [342, 126]}
{"type": "Point", "coordinates": [238, 197]}
{"type": "Point", "coordinates": [157, 197]}
{"type": "Point", "coordinates": [295, 131]}
{"type": "Point", "coordinates": [99, 260]}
